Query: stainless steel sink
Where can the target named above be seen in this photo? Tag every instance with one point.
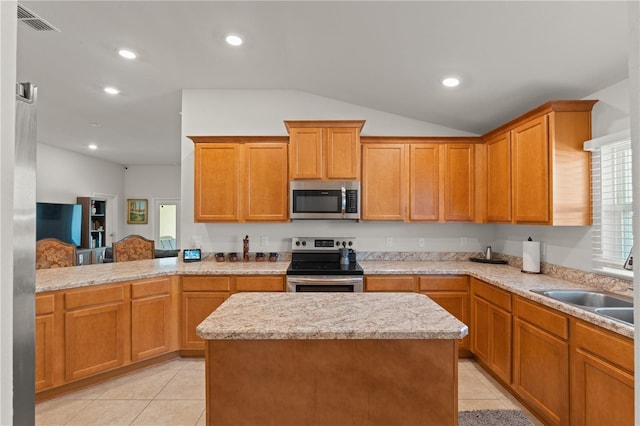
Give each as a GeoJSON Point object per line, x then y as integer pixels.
{"type": "Point", "coordinates": [620, 314]}
{"type": "Point", "coordinates": [607, 304]}
{"type": "Point", "coordinates": [591, 298]}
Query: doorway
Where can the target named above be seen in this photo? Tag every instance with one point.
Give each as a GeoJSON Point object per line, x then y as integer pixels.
{"type": "Point", "coordinates": [166, 229]}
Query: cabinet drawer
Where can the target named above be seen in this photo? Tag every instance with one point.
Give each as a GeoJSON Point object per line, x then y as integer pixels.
{"type": "Point", "coordinates": [443, 282]}
{"type": "Point", "coordinates": [150, 288]}
{"type": "Point", "coordinates": [389, 283]}
{"type": "Point", "coordinates": [207, 283]}
{"type": "Point", "coordinates": [45, 304]}
{"type": "Point", "coordinates": [91, 297]}
{"type": "Point", "coordinates": [608, 345]}
{"type": "Point", "coordinates": [261, 283]}
{"type": "Point", "coordinates": [547, 319]}
{"type": "Point", "coordinates": [498, 297]}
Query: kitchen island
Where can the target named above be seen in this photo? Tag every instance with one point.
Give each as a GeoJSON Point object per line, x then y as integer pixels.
{"type": "Point", "coordinates": [331, 359]}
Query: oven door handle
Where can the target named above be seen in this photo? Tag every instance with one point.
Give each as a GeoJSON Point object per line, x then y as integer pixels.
{"type": "Point", "coordinates": [349, 280]}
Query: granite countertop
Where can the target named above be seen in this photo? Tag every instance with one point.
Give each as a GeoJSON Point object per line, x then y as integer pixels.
{"type": "Point", "coordinates": [330, 316]}
{"type": "Point", "coordinates": [502, 276]}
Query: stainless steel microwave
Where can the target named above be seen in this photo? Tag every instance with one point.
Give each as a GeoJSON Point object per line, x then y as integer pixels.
{"type": "Point", "coordinates": [324, 200]}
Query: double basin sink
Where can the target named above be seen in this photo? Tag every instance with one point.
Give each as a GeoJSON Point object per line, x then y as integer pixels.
{"type": "Point", "coordinates": [607, 304]}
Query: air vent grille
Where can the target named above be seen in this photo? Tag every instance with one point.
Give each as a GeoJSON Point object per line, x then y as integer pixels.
{"type": "Point", "coordinates": [34, 21]}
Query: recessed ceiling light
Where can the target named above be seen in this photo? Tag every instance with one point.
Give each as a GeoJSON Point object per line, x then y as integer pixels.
{"type": "Point", "coordinates": [234, 40]}
{"type": "Point", "coordinates": [111, 90]}
{"type": "Point", "coordinates": [92, 146]}
{"type": "Point", "coordinates": [128, 54]}
{"type": "Point", "coordinates": [450, 81]}
{"type": "Point", "coordinates": [95, 124]}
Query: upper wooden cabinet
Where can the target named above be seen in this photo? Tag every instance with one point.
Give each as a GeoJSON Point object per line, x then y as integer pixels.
{"type": "Point", "coordinates": [418, 179]}
{"type": "Point", "coordinates": [324, 150]}
{"type": "Point", "coordinates": [240, 179]}
{"type": "Point", "coordinates": [537, 170]}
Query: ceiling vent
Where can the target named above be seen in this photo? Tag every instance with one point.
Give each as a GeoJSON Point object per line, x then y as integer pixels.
{"type": "Point", "coordinates": [34, 21]}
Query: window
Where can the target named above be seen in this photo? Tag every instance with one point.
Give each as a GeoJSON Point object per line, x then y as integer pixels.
{"type": "Point", "coordinates": [612, 192]}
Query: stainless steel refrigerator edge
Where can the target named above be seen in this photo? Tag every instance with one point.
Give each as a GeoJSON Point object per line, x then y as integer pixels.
{"type": "Point", "coordinates": [24, 264]}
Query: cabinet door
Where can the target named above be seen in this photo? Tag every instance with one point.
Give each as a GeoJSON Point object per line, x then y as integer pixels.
{"type": "Point", "coordinates": [306, 157]}
{"type": "Point", "coordinates": [541, 371]}
{"type": "Point", "coordinates": [150, 326]}
{"type": "Point", "coordinates": [602, 379]}
{"type": "Point", "coordinates": [480, 329]}
{"type": "Point", "coordinates": [384, 181]}
{"type": "Point", "coordinates": [424, 182]}
{"type": "Point", "coordinates": [501, 343]}
{"type": "Point", "coordinates": [97, 329]}
{"type": "Point", "coordinates": [217, 182]}
{"type": "Point", "coordinates": [499, 178]}
{"type": "Point", "coordinates": [266, 197]}
{"type": "Point", "coordinates": [44, 345]}
{"type": "Point", "coordinates": [459, 182]}
{"type": "Point", "coordinates": [530, 163]}
{"type": "Point", "coordinates": [343, 153]}
{"type": "Point", "coordinates": [457, 304]}
{"type": "Point", "coordinates": [196, 306]}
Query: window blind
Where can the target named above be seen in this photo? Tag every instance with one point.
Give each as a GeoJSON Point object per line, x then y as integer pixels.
{"type": "Point", "coordinates": [612, 198]}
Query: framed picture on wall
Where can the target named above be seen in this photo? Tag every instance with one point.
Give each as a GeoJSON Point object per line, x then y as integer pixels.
{"type": "Point", "coordinates": [137, 211]}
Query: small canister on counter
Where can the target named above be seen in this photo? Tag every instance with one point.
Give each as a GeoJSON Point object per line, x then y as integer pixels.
{"type": "Point", "coordinates": [233, 257]}
{"type": "Point", "coordinates": [219, 257]}
{"type": "Point", "coordinates": [260, 257]}
{"type": "Point", "coordinates": [273, 257]}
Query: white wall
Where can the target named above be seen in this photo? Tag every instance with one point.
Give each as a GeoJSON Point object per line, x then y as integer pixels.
{"type": "Point", "coordinates": [149, 182]}
{"type": "Point", "coordinates": [8, 40]}
{"type": "Point", "coordinates": [262, 112]}
{"type": "Point", "coordinates": [571, 246]}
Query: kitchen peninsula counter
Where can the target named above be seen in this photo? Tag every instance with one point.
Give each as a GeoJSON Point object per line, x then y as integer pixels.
{"type": "Point", "coordinates": [331, 358]}
{"type": "Point", "coordinates": [503, 276]}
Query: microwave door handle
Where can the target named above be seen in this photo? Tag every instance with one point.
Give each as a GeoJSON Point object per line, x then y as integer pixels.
{"type": "Point", "coordinates": [344, 200]}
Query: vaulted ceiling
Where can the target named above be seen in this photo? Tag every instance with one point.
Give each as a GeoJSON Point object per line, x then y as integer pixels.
{"type": "Point", "coordinates": [390, 56]}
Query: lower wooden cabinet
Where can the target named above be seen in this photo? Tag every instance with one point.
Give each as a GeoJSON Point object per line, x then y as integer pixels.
{"type": "Point", "coordinates": [452, 293]}
{"type": "Point", "coordinates": [200, 296]}
{"type": "Point", "coordinates": [150, 318]}
{"type": "Point", "coordinates": [44, 342]}
{"type": "Point", "coordinates": [259, 283]}
{"type": "Point", "coordinates": [541, 360]}
{"type": "Point", "coordinates": [491, 328]}
{"type": "Point", "coordinates": [602, 376]}
{"type": "Point", "coordinates": [97, 324]}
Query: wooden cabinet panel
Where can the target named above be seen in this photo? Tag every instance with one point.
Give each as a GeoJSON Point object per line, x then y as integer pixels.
{"type": "Point", "coordinates": [538, 348]}
{"type": "Point", "coordinates": [217, 182]}
{"type": "Point", "coordinates": [384, 181]}
{"type": "Point", "coordinates": [95, 340]}
{"type": "Point", "coordinates": [266, 186]}
{"type": "Point", "coordinates": [343, 153]}
{"type": "Point", "coordinates": [602, 376]}
{"type": "Point", "coordinates": [459, 182]}
{"type": "Point", "coordinates": [452, 293]}
{"type": "Point", "coordinates": [324, 150]}
{"type": "Point", "coordinates": [306, 157]}
{"type": "Point", "coordinates": [260, 283]}
{"type": "Point", "coordinates": [391, 283]}
{"type": "Point", "coordinates": [499, 178]}
{"type": "Point", "coordinates": [196, 306]}
{"type": "Point", "coordinates": [44, 344]}
{"type": "Point", "coordinates": [424, 182]}
{"type": "Point", "coordinates": [530, 162]}
{"type": "Point", "coordinates": [491, 328]}
{"type": "Point", "coordinates": [206, 283]}
{"type": "Point", "coordinates": [150, 318]}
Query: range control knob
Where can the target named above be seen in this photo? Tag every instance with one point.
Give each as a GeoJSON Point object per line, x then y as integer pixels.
{"type": "Point", "coordinates": [304, 243]}
{"type": "Point", "coordinates": [337, 243]}
{"type": "Point", "coordinates": [350, 243]}
{"type": "Point", "coordinates": [298, 243]}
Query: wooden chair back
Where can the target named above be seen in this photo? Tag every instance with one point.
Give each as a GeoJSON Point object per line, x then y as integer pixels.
{"type": "Point", "coordinates": [53, 253]}
{"type": "Point", "coordinates": [133, 247]}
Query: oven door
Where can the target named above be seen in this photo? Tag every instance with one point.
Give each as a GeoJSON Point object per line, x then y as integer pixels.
{"type": "Point", "coordinates": [325, 283]}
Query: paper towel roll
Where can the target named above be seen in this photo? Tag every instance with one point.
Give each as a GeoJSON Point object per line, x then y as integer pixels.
{"type": "Point", "coordinates": [531, 256]}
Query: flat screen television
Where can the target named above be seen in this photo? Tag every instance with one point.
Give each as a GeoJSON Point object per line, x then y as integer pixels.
{"type": "Point", "coordinates": [61, 221]}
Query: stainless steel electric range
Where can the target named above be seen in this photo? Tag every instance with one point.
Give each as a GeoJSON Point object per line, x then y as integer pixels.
{"type": "Point", "coordinates": [322, 264]}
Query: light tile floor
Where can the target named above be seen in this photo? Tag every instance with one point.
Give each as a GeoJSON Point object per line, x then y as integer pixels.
{"type": "Point", "coordinates": [172, 393]}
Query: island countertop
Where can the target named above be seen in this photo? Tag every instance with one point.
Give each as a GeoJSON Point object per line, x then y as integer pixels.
{"type": "Point", "coordinates": [254, 316]}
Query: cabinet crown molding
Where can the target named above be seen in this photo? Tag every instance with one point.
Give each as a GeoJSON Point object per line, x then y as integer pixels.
{"type": "Point", "coordinates": [238, 139]}
{"type": "Point", "coordinates": [289, 124]}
